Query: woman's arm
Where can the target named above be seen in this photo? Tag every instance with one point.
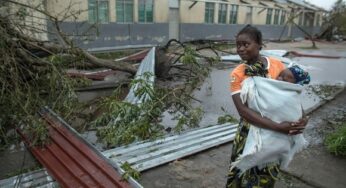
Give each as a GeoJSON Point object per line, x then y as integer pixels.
{"type": "Point", "coordinates": [256, 119]}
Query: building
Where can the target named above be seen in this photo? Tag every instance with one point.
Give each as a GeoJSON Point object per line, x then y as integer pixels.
{"type": "Point", "coordinates": [122, 23]}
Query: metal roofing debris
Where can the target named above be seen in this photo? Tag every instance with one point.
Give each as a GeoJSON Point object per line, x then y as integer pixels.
{"type": "Point", "coordinates": [93, 75]}
{"type": "Point", "coordinates": [38, 178]}
{"type": "Point", "coordinates": [148, 154]}
{"type": "Point", "coordinates": [147, 66]}
{"type": "Point", "coordinates": [135, 57]}
{"type": "Point", "coordinates": [145, 155]}
{"type": "Point", "coordinates": [72, 161]}
{"type": "Point", "coordinates": [110, 49]}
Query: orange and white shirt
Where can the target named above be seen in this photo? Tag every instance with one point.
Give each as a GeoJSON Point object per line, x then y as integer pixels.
{"type": "Point", "coordinates": [237, 76]}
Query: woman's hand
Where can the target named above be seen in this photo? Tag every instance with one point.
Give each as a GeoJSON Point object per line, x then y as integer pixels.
{"type": "Point", "coordinates": [293, 128]}
{"type": "Point", "coordinates": [301, 123]}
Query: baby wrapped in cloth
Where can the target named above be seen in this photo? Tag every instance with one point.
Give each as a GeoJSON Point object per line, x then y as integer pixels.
{"type": "Point", "coordinates": [278, 101]}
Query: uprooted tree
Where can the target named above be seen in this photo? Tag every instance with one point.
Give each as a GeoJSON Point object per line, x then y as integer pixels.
{"type": "Point", "coordinates": [32, 75]}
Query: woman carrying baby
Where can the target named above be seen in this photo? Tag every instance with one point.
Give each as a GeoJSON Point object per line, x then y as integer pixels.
{"type": "Point", "coordinates": [249, 43]}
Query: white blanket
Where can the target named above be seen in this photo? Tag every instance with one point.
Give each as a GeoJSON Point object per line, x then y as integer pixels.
{"type": "Point", "coordinates": [278, 101]}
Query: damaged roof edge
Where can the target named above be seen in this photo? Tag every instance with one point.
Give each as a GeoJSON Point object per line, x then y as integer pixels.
{"type": "Point", "coordinates": [132, 181]}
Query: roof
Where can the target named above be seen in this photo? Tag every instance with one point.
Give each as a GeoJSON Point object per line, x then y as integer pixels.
{"type": "Point", "coordinates": [302, 3]}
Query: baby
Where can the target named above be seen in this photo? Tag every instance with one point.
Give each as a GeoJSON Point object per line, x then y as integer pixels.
{"type": "Point", "coordinates": [294, 74]}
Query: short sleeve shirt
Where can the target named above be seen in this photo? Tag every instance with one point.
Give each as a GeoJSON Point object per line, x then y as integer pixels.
{"type": "Point", "coordinates": [237, 76]}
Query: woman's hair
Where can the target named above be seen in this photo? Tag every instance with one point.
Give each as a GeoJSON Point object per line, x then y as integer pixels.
{"type": "Point", "coordinates": [253, 33]}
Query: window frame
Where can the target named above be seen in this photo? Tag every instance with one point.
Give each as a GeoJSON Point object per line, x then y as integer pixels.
{"type": "Point", "coordinates": [283, 17]}
{"type": "Point", "coordinates": [124, 3]}
{"type": "Point", "coordinates": [269, 16]}
{"type": "Point", "coordinates": [210, 12]}
{"type": "Point", "coordinates": [96, 12]}
{"type": "Point", "coordinates": [318, 19]}
{"type": "Point", "coordinates": [233, 16]}
{"type": "Point", "coordinates": [145, 11]}
{"type": "Point", "coordinates": [276, 16]}
{"type": "Point", "coordinates": [300, 18]}
{"type": "Point", "coordinates": [222, 13]}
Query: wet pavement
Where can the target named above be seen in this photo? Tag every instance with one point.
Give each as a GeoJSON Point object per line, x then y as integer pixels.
{"type": "Point", "coordinates": [214, 93]}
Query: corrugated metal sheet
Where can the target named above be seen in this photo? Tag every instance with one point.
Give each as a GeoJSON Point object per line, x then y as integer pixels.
{"type": "Point", "coordinates": [135, 57]}
{"type": "Point", "coordinates": [146, 155]}
{"type": "Point", "coordinates": [38, 178]}
{"type": "Point", "coordinates": [71, 161]}
{"type": "Point", "coordinates": [93, 75]}
{"type": "Point", "coordinates": [147, 66]}
{"type": "Point", "coordinates": [149, 154]}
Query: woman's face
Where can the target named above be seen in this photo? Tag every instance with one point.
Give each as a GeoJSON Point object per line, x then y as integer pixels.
{"type": "Point", "coordinates": [247, 48]}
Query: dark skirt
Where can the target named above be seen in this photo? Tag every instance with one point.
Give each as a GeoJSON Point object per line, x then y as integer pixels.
{"type": "Point", "coordinates": [254, 177]}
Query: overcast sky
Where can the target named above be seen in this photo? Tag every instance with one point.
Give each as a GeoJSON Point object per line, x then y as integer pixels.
{"type": "Point", "coordinates": [326, 4]}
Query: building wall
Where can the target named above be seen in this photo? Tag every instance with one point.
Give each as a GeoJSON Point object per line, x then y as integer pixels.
{"type": "Point", "coordinates": [76, 7]}
{"type": "Point", "coordinates": [228, 32]}
{"type": "Point", "coordinates": [191, 24]}
{"type": "Point", "coordinates": [80, 9]}
{"type": "Point", "coordinates": [115, 35]}
{"type": "Point", "coordinates": [161, 10]}
{"type": "Point", "coordinates": [193, 15]}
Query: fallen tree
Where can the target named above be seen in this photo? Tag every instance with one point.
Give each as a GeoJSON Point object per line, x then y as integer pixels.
{"type": "Point", "coordinates": [32, 72]}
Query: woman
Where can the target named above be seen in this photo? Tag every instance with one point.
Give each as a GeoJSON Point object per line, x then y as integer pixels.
{"type": "Point", "coordinates": [249, 43]}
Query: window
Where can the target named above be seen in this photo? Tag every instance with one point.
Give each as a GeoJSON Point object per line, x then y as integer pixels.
{"type": "Point", "coordinates": [222, 13]}
{"type": "Point", "coordinates": [276, 16]}
{"type": "Point", "coordinates": [317, 20]}
{"type": "Point", "coordinates": [145, 10]}
{"type": "Point", "coordinates": [98, 11]}
{"type": "Point", "coordinates": [269, 16]}
{"type": "Point", "coordinates": [283, 17]}
{"type": "Point", "coordinates": [209, 12]}
{"type": "Point", "coordinates": [248, 15]}
{"type": "Point", "coordinates": [124, 11]}
{"type": "Point", "coordinates": [300, 19]}
{"type": "Point", "coordinates": [233, 14]}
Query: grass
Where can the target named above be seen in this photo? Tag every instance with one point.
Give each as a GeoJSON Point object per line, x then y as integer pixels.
{"type": "Point", "coordinates": [336, 141]}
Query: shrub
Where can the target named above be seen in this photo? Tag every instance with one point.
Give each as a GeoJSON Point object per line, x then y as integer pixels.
{"type": "Point", "coordinates": [336, 142]}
